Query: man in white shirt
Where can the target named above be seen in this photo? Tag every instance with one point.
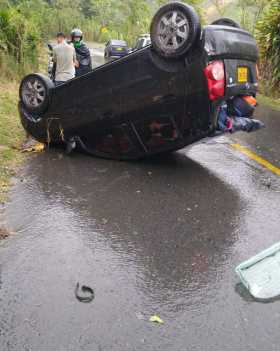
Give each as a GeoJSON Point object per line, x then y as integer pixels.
{"type": "Point", "coordinates": [64, 58]}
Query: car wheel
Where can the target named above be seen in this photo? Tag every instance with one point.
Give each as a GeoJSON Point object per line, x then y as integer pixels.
{"type": "Point", "coordinates": [226, 22]}
{"type": "Point", "coordinates": [35, 92]}
{"type": "Point", "coordinates": [174, 29]}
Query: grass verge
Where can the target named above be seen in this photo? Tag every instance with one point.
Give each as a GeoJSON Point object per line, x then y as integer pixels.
{"type": "Point", "coordinates": [273, 103]}
{"type": "Point", "coordinates": [11, 135]}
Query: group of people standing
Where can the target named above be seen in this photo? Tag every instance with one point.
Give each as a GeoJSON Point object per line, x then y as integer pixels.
{"type": "Point", "coordinates": [71, 59]}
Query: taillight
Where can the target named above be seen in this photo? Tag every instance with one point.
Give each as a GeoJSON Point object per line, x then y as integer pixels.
{"type": "Point", "coordinates": [215, 75]}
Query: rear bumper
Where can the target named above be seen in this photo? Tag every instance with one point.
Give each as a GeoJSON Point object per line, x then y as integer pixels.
{"type": "Point", "coordinates": [117, 54]}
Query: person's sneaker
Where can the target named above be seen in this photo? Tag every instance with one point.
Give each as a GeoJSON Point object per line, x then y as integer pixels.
{"type": "Point", "coordinates": [70, 146]}
{"type": "Point", "coordinates": [246, 124]}
{"type": "Point", "coordinates": [256, 124]}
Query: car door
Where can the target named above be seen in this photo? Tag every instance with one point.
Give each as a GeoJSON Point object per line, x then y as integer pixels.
{"type": "Point", "coordinates": [152, 96]}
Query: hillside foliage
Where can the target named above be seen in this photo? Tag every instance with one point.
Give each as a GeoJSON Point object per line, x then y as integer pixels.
{"type": "Point", "coordinates": [25, 25]}
{"type": "Point", "coordinates": [268, 35]}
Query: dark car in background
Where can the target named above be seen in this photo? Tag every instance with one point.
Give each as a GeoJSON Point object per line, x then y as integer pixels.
{"type": "Point", "coordinates": [115, 49]}
{"type": "Point", "coordinates": [154, 100]}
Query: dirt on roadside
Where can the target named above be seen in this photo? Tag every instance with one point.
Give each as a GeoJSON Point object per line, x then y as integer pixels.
{"type": "Point", "coordinates": [4, 233]}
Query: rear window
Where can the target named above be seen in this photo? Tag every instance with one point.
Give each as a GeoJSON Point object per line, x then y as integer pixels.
{"type": "Point", "coordinates": [118, 43]}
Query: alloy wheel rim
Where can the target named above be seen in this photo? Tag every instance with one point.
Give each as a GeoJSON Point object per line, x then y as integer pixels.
{"type": "Point", "coordinates": [173, 30]}
{"type": "Point", "coordinates": [33, 93]}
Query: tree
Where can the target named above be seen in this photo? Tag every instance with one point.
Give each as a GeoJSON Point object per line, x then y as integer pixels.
{"type": "Point", "coordinates": [250, 12]}
{"type": "Point", "coordinates": [135, 18]}
{"type": "Point", "coordinates": [220, 6]}
{"type": "Point", "coordinates": [88, 8]}
{"type": "Point", "coordinates": [194, 3]}
{"type": "Point", "coordinates": [268, 35]}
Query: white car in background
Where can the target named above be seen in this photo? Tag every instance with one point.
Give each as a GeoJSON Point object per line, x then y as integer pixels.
{"type": "Point", "coordinates": [142, 41]}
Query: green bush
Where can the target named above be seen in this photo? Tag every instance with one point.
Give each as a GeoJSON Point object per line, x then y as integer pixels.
{"type": "Point", "coordinates": [19, 40]}
{"type": "Point", "coordinates": [268, 35]}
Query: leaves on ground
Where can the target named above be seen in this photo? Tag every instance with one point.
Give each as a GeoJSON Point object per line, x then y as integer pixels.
{"type": "Point", "coordinates": [4, 233]}
{"type": "Point", "coordinates": [34, 146]}
{"type": "Point", "coordinates": [156, 319]}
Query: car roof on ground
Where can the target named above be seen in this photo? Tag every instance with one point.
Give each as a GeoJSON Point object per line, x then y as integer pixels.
{"type": "Point", "coordinates": [118, 42]}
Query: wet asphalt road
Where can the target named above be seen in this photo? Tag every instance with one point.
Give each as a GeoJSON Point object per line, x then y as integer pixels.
{"type": "Point", "coordinates": [160, 236]}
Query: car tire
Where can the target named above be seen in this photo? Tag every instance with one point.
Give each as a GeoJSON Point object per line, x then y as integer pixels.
{"type": "Point", "coordinates": [174, 29]}
{"type": "Point", "coordinates": [35, 92]}
{"type": "Point", "coordinates": [226, 22]}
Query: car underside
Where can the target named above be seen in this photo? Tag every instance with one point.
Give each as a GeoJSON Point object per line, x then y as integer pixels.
{"type": "Point", "coordinates": [157, 99]}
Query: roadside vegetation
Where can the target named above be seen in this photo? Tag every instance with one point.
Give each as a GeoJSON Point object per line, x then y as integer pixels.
{"type": "Point", "coordinates": [272, 102]}
{"type": "Point", "coordinates": [268, 35]}
{"type": "Point", "coordinates": [11, 136]}
{"type": "Point", "coordinates": [246, 12]}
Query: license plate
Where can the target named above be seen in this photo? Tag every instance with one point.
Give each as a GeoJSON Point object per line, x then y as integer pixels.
{"type": "Point", "coordinates": [242, 74]}
{"type": "Point", "coordinates": [119, 49]}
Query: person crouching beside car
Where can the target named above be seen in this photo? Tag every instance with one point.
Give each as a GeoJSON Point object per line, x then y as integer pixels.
{"type": "Point", "coordinates": [82, 53]}
{"type": "Point", "coordinates": [64, 58]}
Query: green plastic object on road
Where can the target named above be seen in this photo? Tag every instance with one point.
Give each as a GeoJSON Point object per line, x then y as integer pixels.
{"type": "Point", "coordinates": [261, 274]}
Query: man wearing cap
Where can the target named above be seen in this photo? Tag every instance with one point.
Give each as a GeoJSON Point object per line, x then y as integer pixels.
{"type": "Point", "coordinates": [64, 58]}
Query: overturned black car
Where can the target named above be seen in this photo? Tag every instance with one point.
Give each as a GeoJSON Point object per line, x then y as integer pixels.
{"type": "Point", "coordinates": [157, 99]}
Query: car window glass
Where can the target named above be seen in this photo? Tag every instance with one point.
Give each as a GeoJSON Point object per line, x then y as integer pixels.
{"type": "Point", "coordinates": [140, 44]}
{"type": "Point", "coordinates": [118, 43]}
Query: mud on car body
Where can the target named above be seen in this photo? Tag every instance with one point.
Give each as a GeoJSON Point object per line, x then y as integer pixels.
{"type": "Point", "coordinates": [157, 99]}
